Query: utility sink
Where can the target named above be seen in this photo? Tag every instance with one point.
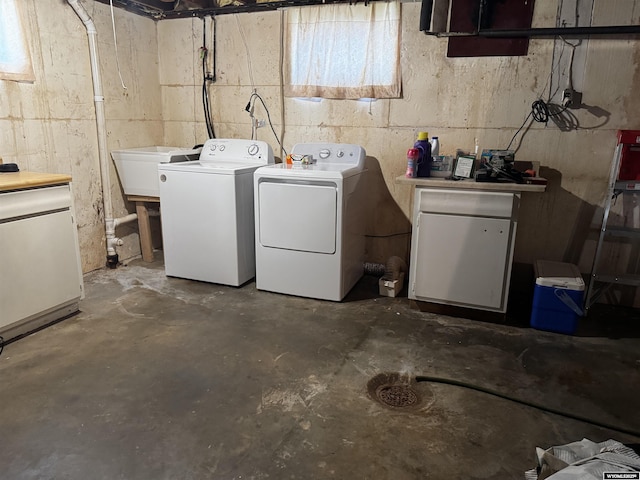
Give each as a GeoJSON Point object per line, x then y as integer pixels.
{"type": "Point", "coordinates": [138, 167]}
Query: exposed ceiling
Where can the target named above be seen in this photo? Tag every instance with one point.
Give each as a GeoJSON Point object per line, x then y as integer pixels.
{"type": "Point", "coordinates": [166, 9]}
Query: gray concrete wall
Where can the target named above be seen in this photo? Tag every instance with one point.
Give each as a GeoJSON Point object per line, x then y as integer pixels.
{"type": "Point", "coordinates": [49, 125]}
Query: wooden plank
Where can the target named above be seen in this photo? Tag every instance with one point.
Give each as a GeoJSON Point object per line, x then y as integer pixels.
{"type": "Point", "coordinates": [144, 229]}
{"type": "Point", "coordinates": [141, 198]}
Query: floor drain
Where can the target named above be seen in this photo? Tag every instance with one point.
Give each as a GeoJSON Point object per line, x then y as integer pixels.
{"type": "Point", "coordinates": [394, 391]}
{"type": "Point", "coordinates": [397, 395]}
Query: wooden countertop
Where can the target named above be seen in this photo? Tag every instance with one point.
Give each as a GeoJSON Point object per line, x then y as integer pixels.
{"type": "Point", "coordinates": [22, 180]}
{"type": "Point", "coordinates": [470, 184]}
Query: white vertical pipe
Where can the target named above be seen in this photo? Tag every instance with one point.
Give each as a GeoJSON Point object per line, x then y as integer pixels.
{"type": "Point", "coordinates": [98, 98]}
{"type": "Point", "coordinates": [281, 78]}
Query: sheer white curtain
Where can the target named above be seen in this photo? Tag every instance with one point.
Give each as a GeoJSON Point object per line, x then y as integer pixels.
{"type": "Point", "coordinates": [15, 59]}
{"type": "Point", "coordinates": [343, 51]}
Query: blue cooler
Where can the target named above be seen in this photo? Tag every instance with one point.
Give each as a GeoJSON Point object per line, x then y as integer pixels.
{"type": "Point", "coordinates": [558, 297]}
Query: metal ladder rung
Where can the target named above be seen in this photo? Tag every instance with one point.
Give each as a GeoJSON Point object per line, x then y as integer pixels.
{"type": "Point", "coordinates": [624, 279]}
{"type": "Point", "coordinates": [627, 186]}
{"type": "Point", "coordinates": [623, 232]}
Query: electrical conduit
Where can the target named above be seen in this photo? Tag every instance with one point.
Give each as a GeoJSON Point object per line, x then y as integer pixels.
{"type": "Point", "coordinates": [110, 222]}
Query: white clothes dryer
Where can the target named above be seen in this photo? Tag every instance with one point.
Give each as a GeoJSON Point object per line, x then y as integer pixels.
{"type": "Point", "coordinates": [310, 222]}
{"type": "Point", "coordinates": [207, 212]}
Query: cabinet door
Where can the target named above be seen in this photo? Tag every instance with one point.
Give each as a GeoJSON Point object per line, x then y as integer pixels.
{"type": "Point", "coordinates": [39, 271]}
{"type": "Point", "coordinates": [461, 260]}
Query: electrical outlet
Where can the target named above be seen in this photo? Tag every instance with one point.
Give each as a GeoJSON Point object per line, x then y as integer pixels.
{"type": "Point", "coordinates": [260, 123]}
{"type": "Point", "coordinates": [571, 98]}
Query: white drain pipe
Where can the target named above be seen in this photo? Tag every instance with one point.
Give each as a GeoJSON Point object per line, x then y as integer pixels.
{"type": "Point", "coordinates": [126, 219]}
{"type": "Point", "coordinates": [98, 98]}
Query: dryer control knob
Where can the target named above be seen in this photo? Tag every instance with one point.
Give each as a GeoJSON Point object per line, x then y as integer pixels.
{"type": "Point", "coordinates": [324, 153]}
{"type": "Point", "coordinates": [340, 154]}
{"type": "Point", "coordinates": [253, 149]}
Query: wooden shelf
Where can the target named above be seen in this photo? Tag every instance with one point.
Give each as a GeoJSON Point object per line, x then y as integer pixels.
{"type": "Point", "coordinates": [470, 184]}
{"type": "Point", "coordinates": [22, 180]}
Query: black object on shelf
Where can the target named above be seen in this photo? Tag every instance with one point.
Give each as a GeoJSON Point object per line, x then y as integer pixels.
{"type": "Point", "coordinates": [9, 167]}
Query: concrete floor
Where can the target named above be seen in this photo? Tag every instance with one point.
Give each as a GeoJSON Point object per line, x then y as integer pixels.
{"type": "Point", "coordinates": [164, 378]}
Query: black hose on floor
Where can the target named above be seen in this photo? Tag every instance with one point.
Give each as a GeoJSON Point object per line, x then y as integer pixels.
{"type": "Point", "coordinates": [457, 383]}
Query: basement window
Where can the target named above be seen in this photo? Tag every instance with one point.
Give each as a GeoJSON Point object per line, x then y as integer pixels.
{"type": "Point", "coordinates": [15, 59]}
{"type": "Point", "coordinates": [343, 51]}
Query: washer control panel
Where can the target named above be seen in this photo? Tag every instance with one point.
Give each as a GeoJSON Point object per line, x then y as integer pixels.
{"type": "Point", "coordinates": [236, 150]}
{"type": "Point", "coordinates": [343, 153]}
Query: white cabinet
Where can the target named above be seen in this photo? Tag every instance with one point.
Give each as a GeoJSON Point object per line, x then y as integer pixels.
{"type": "Point", "coordinates": [40, 275]}
{"type": "Point", "coordinates": [462, 247]}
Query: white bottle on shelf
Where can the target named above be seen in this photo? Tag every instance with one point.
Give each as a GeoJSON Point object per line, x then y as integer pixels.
{"type": "Point", "coordinates": [435, 147]}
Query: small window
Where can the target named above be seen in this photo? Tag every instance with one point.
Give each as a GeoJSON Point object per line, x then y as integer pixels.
{"type": "Point", "coordinates": [344, 51]}
{"type": "Point", "coordinates": [15, 59]}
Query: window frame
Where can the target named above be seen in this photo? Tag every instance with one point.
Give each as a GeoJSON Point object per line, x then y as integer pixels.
{"type": "Point", "coordinates": [15, 55]}
{"type": "Point", "coordinates": [308, 68]}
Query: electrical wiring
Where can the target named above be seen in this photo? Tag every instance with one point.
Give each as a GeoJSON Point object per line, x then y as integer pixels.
{"type": "Point", "coordinates": [518, 131]}
{"type": "Point", "coordinates": [542, 111]}
{"type": "Point", "coordinates": [249, 108]}
{"type": "Point", "coordinates": [254, 90]}
{"type": "Point", "coordinates": [458, 383]}
{"type": "Point", "coordinates": [573, 51]}
{"type": "Point", "coordinates": [205, 78]}
{"type": "Point", "coordinates": [1, 344]}
{"type": "Point", "coordinates": [115, 43]}
{"type": "Point", "coordinates": [246, 47]}
{"type": "Point", "coordinates": [214, 35]}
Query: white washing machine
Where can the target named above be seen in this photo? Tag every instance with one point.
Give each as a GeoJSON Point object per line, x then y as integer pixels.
{"type": "Point", "coordinates": [310, 222]}
{"type": "Point", "coordinates": [207, 212]}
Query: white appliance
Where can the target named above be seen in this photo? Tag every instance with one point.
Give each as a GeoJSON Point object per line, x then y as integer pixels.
{"type": "Point", "coordinates": [462, 247]}
{"type": "Point", "coordinates": [207, 212]}
{"type": "Point", "coordinates": [40, 275]}
{"type": "Point", "coordinates": [310, 222]}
